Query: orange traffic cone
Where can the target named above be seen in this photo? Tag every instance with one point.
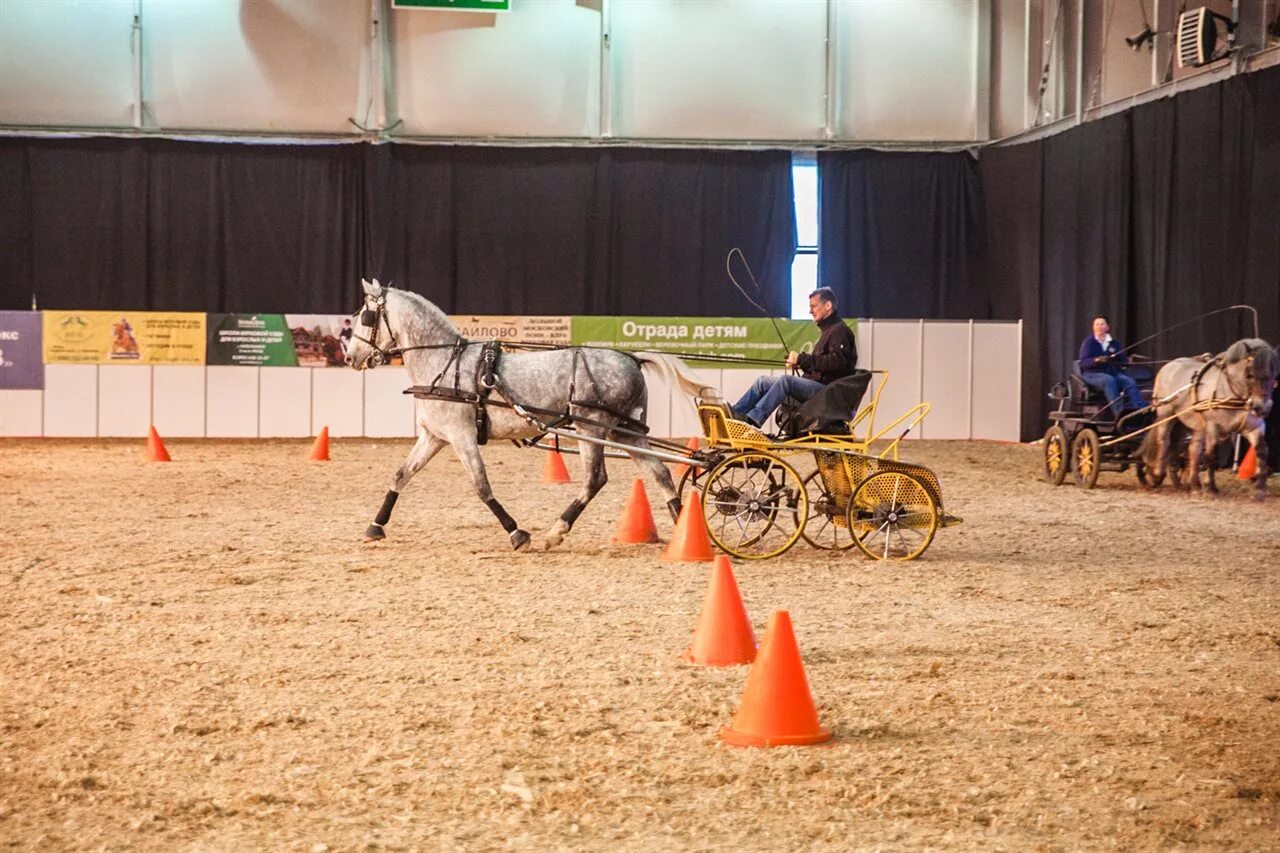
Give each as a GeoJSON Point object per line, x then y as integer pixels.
{"type": "Point", "coordinates": [320, 449]}
{"type": "Point", "coordinates": [636, 524]}
{"type": "Point", "coordinates": [692, 445]}
{"type": "Point", "coordinates": [1248, 465]}
{"type": "Point", "coordinates": [156, 451]}
{"type": "Point", "coordinates": [554, 471]}
{"type": "Point", "coordinates": [690, 542]}
{"type": "Point", "coordinates": [777, 708]}
{"type": "Point", "coordinates": [724, 636]}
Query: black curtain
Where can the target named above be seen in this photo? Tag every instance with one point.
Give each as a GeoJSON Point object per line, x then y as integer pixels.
{"type": "Point", "coordinates": [580, 230]}
{"type": "Point", "coordinates": [902, 234]}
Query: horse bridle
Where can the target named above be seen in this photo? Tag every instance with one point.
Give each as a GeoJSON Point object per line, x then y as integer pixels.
{"type": "Point", "coordinates": [374, 318]}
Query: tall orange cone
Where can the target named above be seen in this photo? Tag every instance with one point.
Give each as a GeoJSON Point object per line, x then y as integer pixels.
{"type": "Point", "coordinates": [1248, 465]}
{"type": "Point", "coordinates": [156, 451]}
{"type": "Point", "coordinates": [691, 446]}
{"type": "Point", "coordinates": [554, 471]}
{"type": "Point", "coordinates": [690, 542]}
{"type": "Point", "coordinates": [320, 448]}
{"type": "Point", "coordinates": [724, 636]}
{"type": "Point", "coordinates": [777, 708]}
{"type": "Point", "coordinates": [636, 524]}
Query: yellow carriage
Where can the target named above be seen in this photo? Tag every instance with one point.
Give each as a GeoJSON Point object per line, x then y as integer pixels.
{"type": "Point", "coordinates": [757, 504]}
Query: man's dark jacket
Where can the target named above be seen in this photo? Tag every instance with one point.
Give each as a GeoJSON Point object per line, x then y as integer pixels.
{"type": "Point", "coordinates": [834, 355]}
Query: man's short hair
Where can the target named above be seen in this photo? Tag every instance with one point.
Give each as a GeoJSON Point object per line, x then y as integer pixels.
{"type": "Point", "coordinates": [824, 294]}
{"type": "Point", "coordinates": [1102, 317]}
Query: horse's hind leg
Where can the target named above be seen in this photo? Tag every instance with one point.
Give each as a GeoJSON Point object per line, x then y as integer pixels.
{"type": "Point", "coordinates": [469, 454]}
{"type": "Point", "coordinates": [656, 469]}
{"type": "Point", "coordinates": [593, 480]}
{"type": "Point", "coordinates": [426, 447]}
{"type": "Point", "coordinates": [1212, 436]}
{"type": "Point", "coordinates": [1258, 438]}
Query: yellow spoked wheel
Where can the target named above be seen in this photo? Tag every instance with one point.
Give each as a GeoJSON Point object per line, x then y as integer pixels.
{"type": "Point", "coordinates": [827, 526]}
{"type": "Point", "coordinates": [1084, 458]}
{"type": "Point", "coordinates": [892, 516]}
{"type": "Point", "coordinates": [1055, 455]}
{"type": "Point", "coordinates": [755, 505]}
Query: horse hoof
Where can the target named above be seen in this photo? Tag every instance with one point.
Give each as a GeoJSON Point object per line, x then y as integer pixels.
{"type": "Point", "coordinates": [520, 540]}
{"type": "Point", "coordinates": [552, 541]}
{"type": "Point", "coordinates": [374, 532]}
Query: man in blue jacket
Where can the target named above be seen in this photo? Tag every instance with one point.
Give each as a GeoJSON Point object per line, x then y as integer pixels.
{"type": "Point", "coordinates": [1101, 361]}
{"type": "Point", "coordinates": [834, 355]}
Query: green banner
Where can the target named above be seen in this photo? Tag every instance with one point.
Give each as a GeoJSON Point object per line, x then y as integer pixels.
{"type": "Point", "coordinates": [455, 5]}
{"type": "Point", "coordinates": [253, 340]}
{"type": "Point", "coordinates": [722, 337]}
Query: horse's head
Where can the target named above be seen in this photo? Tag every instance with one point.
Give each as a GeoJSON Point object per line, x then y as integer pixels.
{"type": "Point", "coordinates": [371, 339]}
{"type": "Point", "coordinates": [1251, 367]}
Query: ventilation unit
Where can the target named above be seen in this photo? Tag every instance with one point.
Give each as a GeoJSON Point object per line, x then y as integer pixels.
{"type": "Point", "coordinates": [1198, 37]}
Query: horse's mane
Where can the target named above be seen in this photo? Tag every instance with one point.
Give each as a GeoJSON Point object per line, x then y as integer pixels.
{"type": "Point", "coordinates": [1264, 357]}
{"type": "Point", "coordinates": [431, 312]}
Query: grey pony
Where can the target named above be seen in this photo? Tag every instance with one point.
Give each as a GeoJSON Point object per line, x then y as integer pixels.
{"type": "Point", "coordinates": [1212, 400]}
{"type": "Point", "coordinates": [406, 321]}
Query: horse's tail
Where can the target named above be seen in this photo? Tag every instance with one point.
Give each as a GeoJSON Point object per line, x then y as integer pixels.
{"type": "Point", "coordinates": [679, 375]}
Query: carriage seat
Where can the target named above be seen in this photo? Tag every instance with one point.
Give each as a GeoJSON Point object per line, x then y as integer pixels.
{"type": "Point", "coordinates": [829, 411]}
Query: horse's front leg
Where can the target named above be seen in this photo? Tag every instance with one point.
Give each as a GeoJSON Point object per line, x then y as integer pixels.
{"type": "Point", "coordinates": [426, 447]}
{"type": "Point", "coordinates": [593, 480]}
{"type": "Point", "coordinates": [1195, 449]}
{"type": "Point", "coordinates": [1258, 438]}
{"type": "Point", "coordinates": [469, 454]}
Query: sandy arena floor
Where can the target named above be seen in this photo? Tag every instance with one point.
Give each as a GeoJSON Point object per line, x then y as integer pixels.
{"type": "Point", "coordinates": [204, 655]}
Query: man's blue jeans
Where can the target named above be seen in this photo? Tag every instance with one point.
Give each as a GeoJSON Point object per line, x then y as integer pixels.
{"type": "Point", "coordinates": [1114, 385]}
{"type": "Point", "coordinates": [768, 392]}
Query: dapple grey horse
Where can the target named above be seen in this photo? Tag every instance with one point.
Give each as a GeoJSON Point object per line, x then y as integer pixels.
{"type": "Point", "coordinates": [395, 321]}
{"type": "Point", "coordinates": [1227, 395]}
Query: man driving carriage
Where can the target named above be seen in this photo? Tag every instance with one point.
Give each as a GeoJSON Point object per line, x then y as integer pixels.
{"type": "Point", "coordinates": [834, 356]}
{"type": "Point", "coordinates": [1102, 363]}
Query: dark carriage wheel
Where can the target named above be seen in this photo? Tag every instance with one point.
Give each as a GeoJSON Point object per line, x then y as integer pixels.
{"type": "Point", "coordinates": [827, 526]}
{"type": "Point", "coordinates": [1085, 459]}
{"type": "Point", "coordinates": [892, 516]}
{"type": "Point", "coordinates": [1056, 460]}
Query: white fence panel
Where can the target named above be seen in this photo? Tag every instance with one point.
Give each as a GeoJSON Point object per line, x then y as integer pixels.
{"type": "Point", "coordinates": [233, 402]}
{"type": "Point", "coordinates": [21, 413]}
{"type": "Point", "coordinates": [71, 399]}
{"type": "Point", "coordinates": [337, 402]}
{"type": "Point", "coordinates": [124, 400]}
{"type": "Point", "coordinates": [178, 400]}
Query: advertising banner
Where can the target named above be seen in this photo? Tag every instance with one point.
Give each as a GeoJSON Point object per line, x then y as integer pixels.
{"type": "Point", "coordinates": [255, 340]}
{"type": "Point", "coordinates": [536, 330]}
{"type": "Point", "coordinates": [732, 337]}
{"type": "Point", "coordinates": [320, 340]}
{"type": "Point", "coordinates": [128, 337]}
{"type": "Point", "coordinates": [21, 361]}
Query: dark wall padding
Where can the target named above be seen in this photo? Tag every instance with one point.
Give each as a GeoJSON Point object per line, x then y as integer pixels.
{"type": "Point", "coordinates": [1151, 216]}
{"type": "Point", "coordinates": [165, 225]}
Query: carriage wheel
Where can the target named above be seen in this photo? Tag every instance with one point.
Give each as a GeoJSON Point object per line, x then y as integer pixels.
{"type": "Point", "coordinates": [827, 526]}
{"type": "Point", "coordinates": [892, 516]}
{"type": "Point", "coordinates": [1085, 458]}
{"type": "Point", "coordinates": [693, 477]}
{"type": "Point", "coordinates": [754, 504]}
{"type": "Point", "coordinates": [1055, 455]}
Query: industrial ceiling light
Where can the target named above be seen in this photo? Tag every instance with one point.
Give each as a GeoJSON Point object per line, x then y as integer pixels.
{"type": "Point", "coordinates": [1146, 37]}
{"type": "Point", "coordinates": [1198, 37]}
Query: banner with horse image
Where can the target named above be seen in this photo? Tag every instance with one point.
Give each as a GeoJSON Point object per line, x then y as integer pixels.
{"type": "Point", "coordinates": [251, 340]}
{"type": "Point", "coordinates": [21, 365]}
{"type": "Point", "coordinates": [320, 340]}
{"type": "Point", "coordinates": [123, 337]}
{"type": "Point", "coordinates": [719, 337]}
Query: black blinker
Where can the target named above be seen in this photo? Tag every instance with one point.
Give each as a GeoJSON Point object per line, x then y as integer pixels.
{"type": "Point", "coordinates": [369, 317]}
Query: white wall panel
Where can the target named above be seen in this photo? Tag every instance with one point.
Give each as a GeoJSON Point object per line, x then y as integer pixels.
{"type": "Point", "coordinates": [946, 380]}
{"type": "Point", "coordinates": [906, 69]}
{"type": "Point", "coordinates": [997, 380]}
{"type": "Point", "coordinates": [337, 402]}
{"type": "Point", "coordinates": [232, 402]}
{"type": "Point", "coordinates": [178, 400]}
{"type": "Point", "coordinates": [730, 69]}
{"type": "Point", "coordinates": [124, 400]}
{"type": "Point", "coordinates": [387, 410]}
{"type": "Point", "coordinates": [534, 71]}
{"type": "Point", "coordinates": [21, 412]}
{"type": "Point", "coordinates": [684, 415]}
{"type": "Point", "coordinates": [66, 63]}
{"type": "Point", "coordinates": [897, 350]}
{"type": "Point", "coordinates": [71, 399]}
{"type": "Point", "coordinates": [277, 65]}
{"type": "Point", "coordinates": [284, 402]}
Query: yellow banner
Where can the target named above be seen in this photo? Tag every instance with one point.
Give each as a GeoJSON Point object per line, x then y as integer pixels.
{"type": "Point", "coordinates": [128, 337]}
